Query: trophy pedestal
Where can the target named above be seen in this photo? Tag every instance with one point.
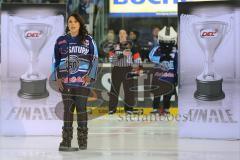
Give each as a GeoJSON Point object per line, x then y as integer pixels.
{"type": "Point", "coordinates": [33, 89]}
{"type": "Point", "coordinates": [209, 90]}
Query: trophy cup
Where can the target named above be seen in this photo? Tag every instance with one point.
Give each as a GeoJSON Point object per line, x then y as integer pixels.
{"type": "Point", "coordinates": [209, 35]}
{"type": "Point", "coordinates": [33, 37]}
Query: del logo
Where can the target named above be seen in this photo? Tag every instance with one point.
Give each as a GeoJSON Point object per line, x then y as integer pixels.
{"type": "Point", "coordinates": [33, 34]}
{"type": "Point", "coordinates": [208, 33]}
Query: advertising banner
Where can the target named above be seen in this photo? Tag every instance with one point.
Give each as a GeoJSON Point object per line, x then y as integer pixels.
{"type": "Point", "coordinates": [145, 7]}
{"type": "Point", "coordinates": [209, 92]}
{"type": "Point", "coordinates": [28, 35]}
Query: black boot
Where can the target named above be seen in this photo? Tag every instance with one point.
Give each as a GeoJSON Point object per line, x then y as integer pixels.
{"type": "Point", "coordinates": [82, 137]}
{"type": "Point", "coordinates": [67, 135]}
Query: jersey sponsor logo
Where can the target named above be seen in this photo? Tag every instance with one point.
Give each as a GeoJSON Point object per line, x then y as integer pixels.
{"type": "Point", "coordinates": [62, 42]}
{"type": "Point", "coordinates": [166, 65]}
{"type": "Point", "coordinates": [208, 33]}
{"type": "Point", "coordinates": [78, 49]}
{"type": "Point", "coordinates": [33, 34]}
{"type": "Point", "coordinates": [73, 63]}
{"type": "Point", "coordinates": [164, 74]}
{"type": "Point", "coordinates": [73, 80]}
{"type": "Point", "coordinates": [119, 52]}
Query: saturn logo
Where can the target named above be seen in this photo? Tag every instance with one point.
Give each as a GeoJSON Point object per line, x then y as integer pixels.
{"type": "Point", "coordinates": [33, 34]}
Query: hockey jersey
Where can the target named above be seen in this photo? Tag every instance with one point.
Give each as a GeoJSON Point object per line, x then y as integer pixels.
{"type": "Point", "coordinates": [165, 68]}
{"type": "Point", "coordinates": [117, 57]}
{"type": "Point", "coordinates": [74, 60]}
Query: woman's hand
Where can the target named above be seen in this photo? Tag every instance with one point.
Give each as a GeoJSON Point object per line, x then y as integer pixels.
{"type": "Point", "coordinates": [86, 80]}
{"type": "Point", "coordinates": [60, 84]}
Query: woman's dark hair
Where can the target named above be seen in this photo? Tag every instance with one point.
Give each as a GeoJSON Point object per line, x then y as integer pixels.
{"type": "Point", "coordinates": [82, 31]}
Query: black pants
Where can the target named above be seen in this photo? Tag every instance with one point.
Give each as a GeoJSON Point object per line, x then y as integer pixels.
{"type": "Point", "coordinates": [163, 88]}
{"type": "Point", "coordinates": [75, 98]}
{"type": "Point", "coordinates": [119, 76]}
{"type": "Point", "coordinates": [166, 101]}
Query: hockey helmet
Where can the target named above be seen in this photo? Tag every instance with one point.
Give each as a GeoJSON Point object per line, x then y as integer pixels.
{"type": "Point", "coordinates": [167, 35]}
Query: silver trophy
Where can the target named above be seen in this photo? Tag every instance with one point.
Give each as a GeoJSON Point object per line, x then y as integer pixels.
{"type": "Point", "coordinates": [209, 35]}
{"type": "Point", "coordinates": [33, 37]}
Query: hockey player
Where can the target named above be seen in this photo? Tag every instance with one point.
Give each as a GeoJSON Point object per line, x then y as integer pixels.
{"type": "Point", "coordinates": [76, 60]}
{"type": "Point", "coordinates": [165, 70]}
